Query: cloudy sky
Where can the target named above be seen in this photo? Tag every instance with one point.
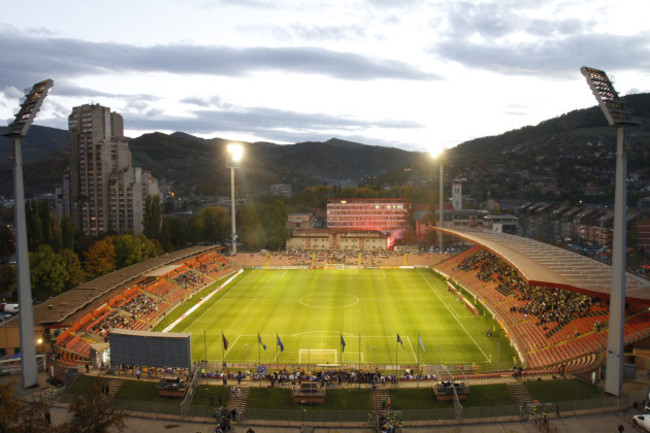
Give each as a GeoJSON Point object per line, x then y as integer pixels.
{"type": "Point", "coordinates": [412, 74]}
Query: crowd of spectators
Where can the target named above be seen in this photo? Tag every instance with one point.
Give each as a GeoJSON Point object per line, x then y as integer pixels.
{"type": "Point", "coordinates": [547, 304]}
{"type": "Point", "coordinates": [333, 258]}
{"type": "Point", "coordinates": [140, 305]}
{"type": "Point", "coordinates": [190, 278]}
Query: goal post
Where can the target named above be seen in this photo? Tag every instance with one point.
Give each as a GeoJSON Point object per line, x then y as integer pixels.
{"type": "Point", "coordinates": [317, 356]}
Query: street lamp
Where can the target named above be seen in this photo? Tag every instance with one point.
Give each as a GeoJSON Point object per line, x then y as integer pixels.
{"type": "Point", "coordinates": [235, 153]}
{"type": "Point", "coordinates": [29, 106]}
{"type": "Point", "coordinates": [439, 154]}
{"type": "Point", "coordinates": [617, 115]}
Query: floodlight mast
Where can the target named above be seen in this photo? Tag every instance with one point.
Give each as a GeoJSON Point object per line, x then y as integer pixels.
{"type": "Point", "coordinates": [18, 127]}
{"type": "Point", "coordinates": [235, 153]}
{"type": "Point", "coordinates": [617, 115]}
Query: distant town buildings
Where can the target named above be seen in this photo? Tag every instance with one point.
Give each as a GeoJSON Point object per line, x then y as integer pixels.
{"type": "Point", "coordinates": [102, 191]}
{"type": "Point", "coordinates": [281, 189]}
{"type": "Point", "coordinates": [335, 240]}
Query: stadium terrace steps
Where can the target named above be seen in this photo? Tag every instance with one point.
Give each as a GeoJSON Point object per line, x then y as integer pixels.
{"type": "Point", "coordinates": [520, 395]}
{"type": "Point", "coordinates": [238, 398]}
{"type": "Point", "coordinates": [379, 398]}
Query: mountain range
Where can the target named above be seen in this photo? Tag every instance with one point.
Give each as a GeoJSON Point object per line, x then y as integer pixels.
{"type": "Point", "coordinates": [198, 166]}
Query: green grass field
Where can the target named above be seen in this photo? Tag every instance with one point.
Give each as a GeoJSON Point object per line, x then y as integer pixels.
{"type": "Point", "coordinates": [311, 309]}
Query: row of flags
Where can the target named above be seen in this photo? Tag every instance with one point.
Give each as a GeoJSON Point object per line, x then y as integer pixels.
{"type": "Point", "coordinates": [281, 346]}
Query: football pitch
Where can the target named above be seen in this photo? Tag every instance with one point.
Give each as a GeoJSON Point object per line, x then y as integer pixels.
{"type": "Point", "coordinates": [311, 312]}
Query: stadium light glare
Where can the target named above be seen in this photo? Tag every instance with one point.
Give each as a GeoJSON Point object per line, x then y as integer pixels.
{"type": "Point", "coordinates": [618, 115]}
{"type": "Point", "coordinates": [235, 154]}
{"type": "Point", "coordinates": [18, 127]}
{"type": "Point", "coordinates": [440, 154]}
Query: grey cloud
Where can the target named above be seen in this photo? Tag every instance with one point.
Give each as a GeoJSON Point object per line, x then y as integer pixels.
{"type": "Point", "coordinates": [554, 58]}
{"type": "Point", "coordinates": [72, 57]}
{"type": "Point", "coordinates": [320, 33]}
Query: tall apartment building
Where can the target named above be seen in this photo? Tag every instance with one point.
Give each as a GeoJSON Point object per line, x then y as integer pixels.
{"type": "Point", "coordinates": [385, 215]}
{"type": "Point", "coordinates": [102, 190]}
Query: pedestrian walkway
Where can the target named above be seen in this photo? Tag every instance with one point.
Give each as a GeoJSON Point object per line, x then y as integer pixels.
{"type": "Point", "coordinates": [521, 396]}
{"type": "Point", "coordinates": [379, 399]}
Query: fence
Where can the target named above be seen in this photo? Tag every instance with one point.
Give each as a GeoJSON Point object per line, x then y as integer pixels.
{"type": "Point", "coordinates": [363, 418]}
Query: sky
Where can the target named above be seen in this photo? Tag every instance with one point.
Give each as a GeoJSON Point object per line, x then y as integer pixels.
{"type": "Point", "coordinates": [411, 74]}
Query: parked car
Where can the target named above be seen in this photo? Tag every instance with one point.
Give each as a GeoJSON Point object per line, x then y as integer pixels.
{"type": "Point", "coordinates": [642, 421]}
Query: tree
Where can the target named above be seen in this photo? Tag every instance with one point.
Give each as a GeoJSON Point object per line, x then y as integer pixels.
{"type": "Point", "coordinates": [67, 233]}
{"type": "Point", "coordinates": [76, 274]}
{"type": "Point", "coordinates": [19, 417]}
{"type": "Point", "coordinates": [47, 270]}
{"type": "Point", "coordinates": [131, 249]}
{"type": "Point", "coordinates": [7, 243]}
{"type": "Point", "coordinates": [152, 216]}
{"type": "Point", "coordinates": [216, 224]}
{"type": "Point", "coordinates": [95, 412]}
{"type": "Point", "coordinates": [8, 279]}
{"type": "Point", "coordinates": [99, 259]}
{"type": "Point", "coordinates": [174, 234]}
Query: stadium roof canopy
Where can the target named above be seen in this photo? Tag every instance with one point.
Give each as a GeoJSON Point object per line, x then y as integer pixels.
{"type": "Point", "coordinates": [546, 265]}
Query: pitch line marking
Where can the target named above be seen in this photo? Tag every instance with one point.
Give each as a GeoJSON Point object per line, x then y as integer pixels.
{"type": "Point", "coordinates": [487, 359]}
{"type": "Point", "coordinates": [230, 346]}
{"type": "Point", "coordinates": [220, 299]}
{"type": "Point", "coordinates": [412, 351]}
{"type": "Point", "coordinates": [328, 306]}
{"type": "Point", "coordinates": [285, 273]}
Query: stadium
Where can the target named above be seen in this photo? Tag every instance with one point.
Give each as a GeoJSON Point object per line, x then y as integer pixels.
{"type": "Point", "coordinates": [501, 305]}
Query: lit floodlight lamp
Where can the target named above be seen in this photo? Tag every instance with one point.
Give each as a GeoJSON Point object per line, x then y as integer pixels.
{"type": "Point", "coordinates": [18, 127]}
{"type": "Point", "coordinates": [235, 154]}
{"type": "Point", "coordinates": [619, 116]}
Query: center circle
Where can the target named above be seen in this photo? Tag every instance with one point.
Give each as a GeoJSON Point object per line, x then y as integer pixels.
{"type": "Point", "coordinates": [329, 300]}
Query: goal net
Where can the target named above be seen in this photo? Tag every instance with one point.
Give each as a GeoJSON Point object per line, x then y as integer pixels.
{"type": "Point", "coordinates": [317, 356]}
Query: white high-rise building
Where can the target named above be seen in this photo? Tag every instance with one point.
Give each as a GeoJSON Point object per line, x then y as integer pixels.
{"type": "Point", "coordinates": [103, 191]}
{"type": "Point", "coordinates": [457, 195]}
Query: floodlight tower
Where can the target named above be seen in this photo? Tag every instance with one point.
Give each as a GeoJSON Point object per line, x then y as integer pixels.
{"type": "Point", "coordinates": [619, 116]}
{"type": "Point", "coordinates": [235, 153]}
{"type": "Point", "coordinates": [442, 159]}
{"type": "Point", "coordinates": [18, 126]}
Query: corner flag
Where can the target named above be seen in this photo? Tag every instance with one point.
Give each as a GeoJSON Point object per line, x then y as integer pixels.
{"type": "Point", "coordinates": [259, 340]}
{"type": "Point", "coordinates": [279, 342]}
{"type": "Point", "coordinates": [225, 341]}
{"type": "Point", "coordinates": [342, 344]}
{"type": "Point", "coordinates": [399, 340]}
{"type": "Point", "coordinates": [421, 342]}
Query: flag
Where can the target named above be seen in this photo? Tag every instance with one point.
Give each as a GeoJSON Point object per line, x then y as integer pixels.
{"type": "Point", "coordinates": [399, 340]}
{"type": "Point", "coordinates": [421, 342]}
{"type": "Point", "coordinates": [342, 344]}
{"type": "Point", "coordinates": [279, 342]}
{"type": "Point", "coordinates": [225, 341]}
{"type": "Point", "coordinates": [259, 340]}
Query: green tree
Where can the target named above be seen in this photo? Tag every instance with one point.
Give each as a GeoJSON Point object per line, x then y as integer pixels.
{"type": "Point", "coordinates": [99, 259]}
{"type": "Point", "coordinates": [67, 233]}
{"type": "Point", "coordinates": [131, 249]}
{"type": "Point", "coordinates": [76, 274]}
{"type": "Point", "coordinates": [34, 226]}
{"type": "Point", "coordinates": [21, 417]}
{"type": "Point", "coordinates": [47, 271]}
{"type": "Point", "coordinates": [216, 224]}
{"type": "Point", "coordinates": [252, 231]}
{"type": "Point", "coordinates": [152, 216]}
{"type": "Point", "coordinates": [276, 224]}
{"type": "Point", "coordinates": [174, 233]}
{"type": "Point", "coordinates": [8, 280]}
{"type": "Point", "coordinates": [7, 243]}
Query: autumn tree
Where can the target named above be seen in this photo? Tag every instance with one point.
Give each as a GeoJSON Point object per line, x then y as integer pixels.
{"type": "Point", "coordinates": [76, 274]}
{"type": "Point", "coordinates": [20, 417]}
{"type": "Point", "coordinates": [99, 259]}
{"type": "Point", "coordinates": [94, 412]}
{"type": "Point", "coordinates": [131, 249]}
{"type": "Point", "coordinates": [7, 243]}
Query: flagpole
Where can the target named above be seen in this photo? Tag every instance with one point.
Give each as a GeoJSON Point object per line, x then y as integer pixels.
{"type": "Point", "coordinates": [359, 357]}
{"type": "Point", "coordinates": [259, 351]}
{"type": "Point", "coordinates": [396, 368]}
{"type": "Point", "coordinates": [419, 339]}
{"type": "Point", "coordinates": [223, 350]}
{"type": "Point", "coordinates": [205, 350]}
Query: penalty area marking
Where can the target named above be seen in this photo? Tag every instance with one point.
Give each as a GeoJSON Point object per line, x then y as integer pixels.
{"type": "Point", "coordinates": [487, 359]}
